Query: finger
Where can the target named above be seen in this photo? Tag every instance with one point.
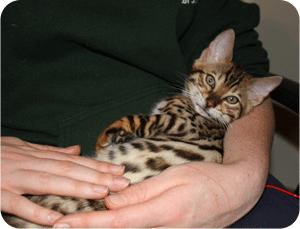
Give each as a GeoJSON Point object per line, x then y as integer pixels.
{"type": "Point", "coordinates": [78, 172]}
{"type": "Point", "coordinates": [22, 207]}
{"type": "Point", "coordinates": [11, 141]}
{"type": "Point", "coordinates": [74, 150]}
{"type": "Point", "coordinates": [42, 183]}
{"type": "Point", "coordinates": [163, 209]}
{"type": "Point", "coordinates": [100, 166]}
{"type": "Point", "coordinates": [46, 152]}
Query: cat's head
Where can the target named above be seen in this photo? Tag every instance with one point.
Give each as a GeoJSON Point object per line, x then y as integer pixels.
{"type": "Point", "coordinates": [219, 88]}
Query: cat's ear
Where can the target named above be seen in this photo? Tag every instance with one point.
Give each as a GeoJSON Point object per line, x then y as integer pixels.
{"type": "Point", "coordinates": [220, 49]}
{"type": "Point", "coordinates": [260, 88]}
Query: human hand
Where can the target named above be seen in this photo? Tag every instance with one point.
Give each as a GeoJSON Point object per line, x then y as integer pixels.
{"type": "Point", "coordinates": [196, 194]}
{"type": "Point", "coordinates": [28, 168]}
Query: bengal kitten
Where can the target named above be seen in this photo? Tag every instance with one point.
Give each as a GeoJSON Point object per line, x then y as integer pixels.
{"type": "Point", "coordinates": [187, 127]}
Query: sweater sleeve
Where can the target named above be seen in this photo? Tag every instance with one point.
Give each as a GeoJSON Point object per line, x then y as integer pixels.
{"type": "Point", "coordinates": [215, 16]}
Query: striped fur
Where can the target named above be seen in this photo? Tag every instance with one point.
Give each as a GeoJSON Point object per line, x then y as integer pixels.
{"type": "Point", "coordinates": [184, 128]}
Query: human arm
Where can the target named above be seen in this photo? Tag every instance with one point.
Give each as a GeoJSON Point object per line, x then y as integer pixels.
{"type": "Point", "coordinates": [28, 168]}
{"type": "Point", "coordinates": [197, 194]}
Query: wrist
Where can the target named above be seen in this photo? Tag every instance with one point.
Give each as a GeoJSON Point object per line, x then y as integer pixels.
{"type": "Point", "coordinates": [235, 187]}
{"type": "Point", "coordinates": [248, 183]}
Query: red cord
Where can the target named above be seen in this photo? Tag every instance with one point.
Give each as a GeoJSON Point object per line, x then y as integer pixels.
{"type": "Point", "coordinates": [282, 190]}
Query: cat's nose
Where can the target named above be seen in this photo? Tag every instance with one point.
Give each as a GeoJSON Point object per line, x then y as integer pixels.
{"type": "Point", "coordinates": [209, 103]}
{"type": "Point", "coordinates": [213, 100]}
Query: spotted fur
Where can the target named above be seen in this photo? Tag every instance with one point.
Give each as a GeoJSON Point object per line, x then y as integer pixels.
{"type": "Point", "coordinates": [184, 128]}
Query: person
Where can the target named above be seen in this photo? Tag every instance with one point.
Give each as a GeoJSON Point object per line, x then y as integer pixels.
{"type": "Point", "coordinates": [70, 68]}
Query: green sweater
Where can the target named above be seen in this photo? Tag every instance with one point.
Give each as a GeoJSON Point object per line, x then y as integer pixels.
{"type": "Point", "coordinates": [72, 67]}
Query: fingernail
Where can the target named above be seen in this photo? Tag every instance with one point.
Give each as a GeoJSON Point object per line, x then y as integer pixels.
{"type": "Point", "coordinates": [116, 200]}
{"type": "Point", "coordinates": [70, 149]}
{"type": "Point", "coordinates": [100, 188]}
{"type": "Point", "coordinates": [54, 216]}
{"type": "Point", "coordinates": [120, 181]}
{"type": "Point", "coordinates": [117, 168]}
{"type": "Point", "coordinates": [73, 147]}
{"type": "Point", "coordinates": [61, 225]}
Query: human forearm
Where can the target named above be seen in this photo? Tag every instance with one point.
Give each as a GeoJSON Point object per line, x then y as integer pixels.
{"type": "Point", "coordinates": [247, 151]}
{"type": "Point", "coordinates": [250, 138]}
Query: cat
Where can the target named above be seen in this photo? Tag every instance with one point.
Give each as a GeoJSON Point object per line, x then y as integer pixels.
{"type": "Point", "coordinates": [184, 128]}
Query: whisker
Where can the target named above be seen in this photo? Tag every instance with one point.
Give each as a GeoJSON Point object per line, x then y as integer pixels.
{"type": "Point", "coordinates": [181, 75]}
{"type": "Point", "coordinates": [173, 86]}
{"type": "Point", "coordinates": [223, 124]}
{"type": "Point", "coordinates": [230, 124]}
{"type": "Point", "coordinates": [171, 93]}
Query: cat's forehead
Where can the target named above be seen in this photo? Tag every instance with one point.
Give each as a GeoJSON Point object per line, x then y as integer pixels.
{"type": "Point", "coordinates": [229, 78]}
{"type": "Point", "coordinates": [212, 68]}
{"type": "Point", "coordinates": [228, 74]}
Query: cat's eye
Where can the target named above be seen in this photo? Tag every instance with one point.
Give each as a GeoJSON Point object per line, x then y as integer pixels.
{"type": "Point", "coordinates": [210, 80]}
{"type": "Point", "coordinates": [232, 99]}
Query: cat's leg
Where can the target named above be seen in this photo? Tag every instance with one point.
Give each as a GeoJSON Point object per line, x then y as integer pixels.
{"type": "Point", "coordinates": [143, 126]}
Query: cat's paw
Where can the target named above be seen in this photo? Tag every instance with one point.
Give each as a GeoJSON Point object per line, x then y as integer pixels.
{"type": "Point", "coordinates": [116, 135]}
{"type": "Point", "coordinates": [112, 136]}
{"type": "Point", "coordinates": [117, 132]}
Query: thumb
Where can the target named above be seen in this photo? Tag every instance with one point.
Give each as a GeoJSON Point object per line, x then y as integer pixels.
{"type": "Point", "coordinates": [138, 193]}
{"type": "Point", "coordinates": [135, 194]}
